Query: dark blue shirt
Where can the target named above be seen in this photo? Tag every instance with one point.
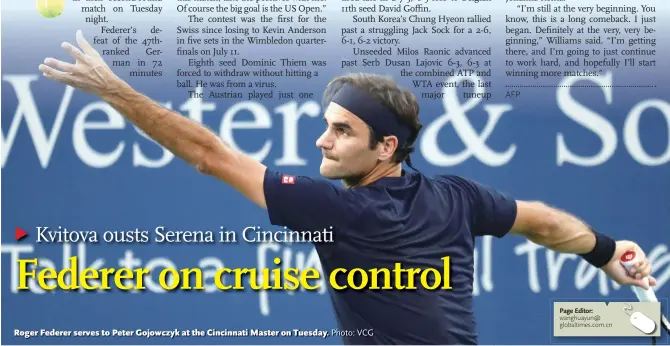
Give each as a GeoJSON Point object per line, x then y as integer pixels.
{"type": "Point", "coordinates": [413, 220]}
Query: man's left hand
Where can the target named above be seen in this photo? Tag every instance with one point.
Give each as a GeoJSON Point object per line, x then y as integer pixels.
{"type": "Point", "coordinates": [89, 73]}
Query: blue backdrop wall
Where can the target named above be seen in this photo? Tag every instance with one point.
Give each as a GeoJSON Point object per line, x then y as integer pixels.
{"type": "Point", "coordinates": [70, 161]}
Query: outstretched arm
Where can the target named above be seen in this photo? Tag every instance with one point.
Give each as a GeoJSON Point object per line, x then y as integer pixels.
{"type": "Point", "coordinates": [563, 232]}
{"type": "Point", "coordinates": [552, 228]}
{"type": "Point", "coordinates": [187, 139]}
{"type": "Point", "coordinates": [497, 214]}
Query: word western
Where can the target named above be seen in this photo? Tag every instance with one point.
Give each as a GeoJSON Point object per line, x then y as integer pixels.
{"type": "Point", "coordinates": [292, 112]}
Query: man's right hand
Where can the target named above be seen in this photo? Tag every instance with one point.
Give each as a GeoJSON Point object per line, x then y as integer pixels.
{"type": "Point", "coordinates": [642, 269]}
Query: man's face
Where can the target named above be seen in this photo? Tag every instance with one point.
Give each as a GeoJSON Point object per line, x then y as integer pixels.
{"type": "Point", "coordinates": [344, 145]}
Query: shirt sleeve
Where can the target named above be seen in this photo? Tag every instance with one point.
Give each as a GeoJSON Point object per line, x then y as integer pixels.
{"type": "Point", "coordinates": [304, 204]}
{"type": "Point", "coordinates": [493, 212]}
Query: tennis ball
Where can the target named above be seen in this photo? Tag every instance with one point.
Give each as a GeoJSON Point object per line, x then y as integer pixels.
{"type": "Point", "coordinates": [50, 8]}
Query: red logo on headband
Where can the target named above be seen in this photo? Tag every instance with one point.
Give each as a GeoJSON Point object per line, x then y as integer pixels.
{"type": "Point", "coordinates": [628, 256]}
{"type": "Point", "coordinates": [287, 179]}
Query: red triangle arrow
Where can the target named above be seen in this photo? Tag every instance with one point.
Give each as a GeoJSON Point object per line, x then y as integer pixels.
{"type": "Point", "coordinates": [20, 233]}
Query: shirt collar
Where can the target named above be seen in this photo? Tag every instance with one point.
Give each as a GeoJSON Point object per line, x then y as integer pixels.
{"type": "Point", "coordinates": [392, 181]}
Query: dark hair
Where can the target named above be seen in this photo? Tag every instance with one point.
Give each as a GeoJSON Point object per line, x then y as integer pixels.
{"type": "Point", "coordinates": [386, 91]}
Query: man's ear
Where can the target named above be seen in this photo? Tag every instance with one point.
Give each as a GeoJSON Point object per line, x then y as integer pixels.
{"type": "Point", "coordinates": [387, 147]}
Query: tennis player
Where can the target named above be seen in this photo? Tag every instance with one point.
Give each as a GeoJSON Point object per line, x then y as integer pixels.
{"type": "Point", "coordinates": [381, 216]}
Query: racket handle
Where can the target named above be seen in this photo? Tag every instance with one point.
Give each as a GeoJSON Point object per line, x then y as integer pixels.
{"type": "Point", "coordinates": [628, 260]}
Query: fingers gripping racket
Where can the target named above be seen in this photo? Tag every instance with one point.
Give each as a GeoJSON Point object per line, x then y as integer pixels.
{"type": "Point", "coordinates": [628, 260]}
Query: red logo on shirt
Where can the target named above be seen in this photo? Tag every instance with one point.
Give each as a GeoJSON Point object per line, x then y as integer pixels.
{"type": "Point", "coordinates": [287, 179]}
